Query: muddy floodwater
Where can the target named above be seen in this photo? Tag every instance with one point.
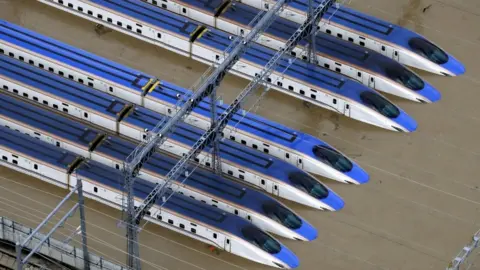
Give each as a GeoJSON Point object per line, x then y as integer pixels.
{"type": "Point", "coordinates": [420, 207]}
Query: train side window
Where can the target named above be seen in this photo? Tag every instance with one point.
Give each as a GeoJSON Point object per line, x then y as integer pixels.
{"type": "Point", "coordinates": [313, 96]}
{"type": "Point", "coordinates": [95, 189]}
{"type": "Point", "coordinates": [25, 95]}
{"type": "Point", "coordinates": [338, 70]}
{"type": "Point", "coordinates": [184, 10]}
{"type": "Point", "coordinates": [159, 35]}
{"type": "Point", "coordinates": [41, 66]}
{"type": "Point", "coordinates": [15, 161]}
{"type": "Point", "coordinates": [266, 6]}
{"type": "Point", "coordinates": [11, 54]}
{"type": "Point", "coordinates": [90, 13]}
{"type": "Point", "coordinates": [263, 182]}
{"type": "Point", "coordinates": [230, 172]}
{"type": "Point", "coordinates": [299, 161]}
{"type": "Point", "coordinates": [144, 136]}
{"type": "Point", "coordinates": [243, 142]}
{"type": "Point", "coordinates": [70, 5]}
{"type": "Point", "coordinates": [359, 74]}
{"type": "Point", "coordinates": [35, 98]}
{"type": "Point", "coordinates": [109, 20]}
{"type": "Point", "coordinates": [139, 31]}
{"type": "Point", "coordinates": [232, 138]}
{"type": "Point", "coordinates": [80, 81]}
{"type": "Point", "coordinates": [160, 217]}
{"type": "Point", "coordinates": [339, 35]}
{"type": "Point", "coordinates": [347, 106]}
{"type": "Point", "coordinates": [164, 6]}
{"type": "Point", "coordinates": [326, 65]}
{"type": "Point", "coordinates": [100, 16]}
{"type": "Point", "coordinates": [45, 102]}
{"type": "Point", "coordinates": [193, 230]}
{"type": "Point", "coordinates": [228, 241]}
{"type": "Point", "coordinates": [80, 9]}
{"type": "Point", "coordinates": [302, 92]}
{"type": "Point", "coordinates": [236, 212]}
{"type": "Point", "coordinates": [241, 176]}
{"type": "Point", "coordinates": [129, 27]}
{"type": "Point", "coordinates": [280, 84]}
{"type": "Point", "coordinates": [154, 2]}
{"type": "Point", "coordinates": [196, 159]}
{"type": "Point", "coordinates": [70, 77]}
{"type": "Point", "coordinates": [265, 150]}
{"type": "Point", "coordinates": [254, 146]}
{"type": "Point", "coordinates": [119, 23]}
{"type": "Point", "coordinates": [362, 43]}
{"type": "Point", "coordinates": [61, 73]}
{"type": "Point", "coordinates": [275, 187]}
{"type": "Point", "coordinates": [85, 114]}
{"type": "Point", "coordinates": [4, 158]}
{"type": "Point", "coordinates": [90, 84]}
{"type": "Point", "coordinates": [334, 101]}
{"type": "Point", "coordinates": [215, 235]}
{"type": "Point", "coordinates": [350, 39]}
{"type": "Point", "coordinates": [15, 91]}
{"type": "Point", "coordinates": [55, 106]}
{"type": "Point", "coordinates": [249, 217]}
{"type": "Point", "coordinates": [371, 79]}
{"type": "Point", "coordinates": [5, 87]}
{"type": "Point", "coordinates": [51, 69]}
{"type": "Point", "coordinates": [57, 144]}
{"type": "Point", "coordinates": [31, 62]}
{"type": "Point", "coordinates": [170, 221]}
{"type": "Point", "coordinates": [65, 110]}
{"type": "Point", "coordinates": [110, 89]}
{"type": "Point", "coordinates": [2, 51]}
{"type": "Point", "coordinates": [396, 53]}
{"type": "Point", "coordinates": [207, 164]}
{"type": "Point", "coordinates": [328, 31]}
{"type": "Point", "coordinates": [304, 57]}
{"type": "Point", "coordinates": [293, 53]}
{"type": "Point", "coordinates": [287, 155]}
{"type": "Point", "coordinates": [290, 88]}
{"type": "Point", "coordinates": [383, 48]}
{"type": "Point", "coordinates": [35, 166]}
{"type": "Point", "coordinates": [181, 226]}
{"type": "Point", "coordinates": [21, 58]}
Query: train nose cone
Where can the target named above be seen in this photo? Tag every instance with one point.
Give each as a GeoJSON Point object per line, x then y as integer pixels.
{"type": "Point", "coordinates": [454, 66]}
{"type": "Point", "coordinates": [307, 231]}
{"type": "Point", "coordinates": [288, 257]}
{"type": "Point", "coordinates": [334, 202]}
{"type": "Point", "coordinates": [359, 175]}
{"type": "Point", "coordinates": [430, 93]}
{"type": "Point", "coordinates": [406, 121]}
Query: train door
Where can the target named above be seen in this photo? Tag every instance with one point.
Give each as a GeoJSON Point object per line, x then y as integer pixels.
{"type": "Point", "coordinates": [346, 109]}
{"type": "Point", "coordinates": [264, 184]}
{"type": "Point", "coordinates": [276, 189]}
{"type": "Point", "coordinates": [228, 244]}
{"type": "Point", "coordinates": [299, 163]}
{"type": "Point", "coordinates": [396, 55]}
{"type": "Point", "coordinates": [371, 82]}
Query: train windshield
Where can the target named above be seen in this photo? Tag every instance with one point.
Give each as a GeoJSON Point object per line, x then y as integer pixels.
{"type": "Point", "coordinates": [428, 50]}
{"type": "Point", "coordinates": [308, 184]}
{"type": "Point", "coordinates": [332, 157]}
{"type": "Point", "coordinates": [260, 239]}
{"type": "Point", "coordinates": [380, 104]}
{"type": "Point", "coordinates": [282, 215]}
{"type": "Point", "coordinates": [405, 77]}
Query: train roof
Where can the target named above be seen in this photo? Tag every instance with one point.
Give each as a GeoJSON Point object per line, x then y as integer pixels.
{"type": "Point", "coordinates": [201, 179]}
{"type": "Point", "coordinates": [72, 56]}
{"type": "Point", "coordinates": [158, 17]}
{"type": "Point", "coordinates": [63, 88]}
{"type": "Point", "coordinates": [36, 149]}
{"type": "Point", "coordinates": [51, 123]}
{"type": "Point", "coordinates": [180, 204]}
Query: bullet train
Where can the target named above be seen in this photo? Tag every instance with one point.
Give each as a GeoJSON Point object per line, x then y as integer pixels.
{"type": "Point", "coordinates": [244, 164]}
{"type": "Point", "coordinates": [202, 185]}
{"type": "Point", "coordinates": [361, 64]}
{"type": "Point", "coordinates": [301, 80]}
{"type": "Point", "coordinates": [300, 149]}
{"type": "Point", "coordinates": [180, 213]}
{"type": "Point", "coordinates": [394, 41]}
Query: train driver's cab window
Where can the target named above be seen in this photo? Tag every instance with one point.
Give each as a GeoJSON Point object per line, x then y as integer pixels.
{"type": "Point", "coordinates": [260, 239]}
{"type": "Point", "coordinates": [308, 184]}
{"type": "Point", "coordinates": [332, 157]}
{"type": "Point", "coordinates": [380, 104]}
{"type": "Point", "coordinates": [405, 77]}
{"type": "Point", "coordinates": [428, 50]}
{"type": "Point", "coordinates": [282, 215]}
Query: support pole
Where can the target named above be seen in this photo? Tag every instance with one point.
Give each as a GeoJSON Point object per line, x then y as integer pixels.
{"type": "Point", "coordinates": [83, 228]}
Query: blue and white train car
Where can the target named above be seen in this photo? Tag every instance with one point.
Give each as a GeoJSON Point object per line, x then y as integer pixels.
{"type": "Point", "coordinates": [300, 149]}
{"type": "Point", "coordinates": [181, 214]}
{"type": "Point", "coordinates": [249, 166]}
{"type": "Point", "coordinates": [254, 206]}
{"type": "Point", "coordinates": [364, 65]}
{"type": "Point", "coordinates": [394, 41]}
{"type": "Point", "coordinates": [302, 80]}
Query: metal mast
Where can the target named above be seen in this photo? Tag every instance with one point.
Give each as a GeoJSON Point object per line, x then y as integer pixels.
{"type": "Point", "coordinates": [162, 130]}
{"type": "Point", "coordinates": [465, 252]}
{"type": "Point", "coordinates": [211, 134]}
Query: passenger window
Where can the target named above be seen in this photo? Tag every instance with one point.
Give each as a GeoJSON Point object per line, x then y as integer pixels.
{"type": "Point", "coordinates": [119, 23]}
{"type": "Point", "coordinates": [339, 35]}
{"type": "Point", "coordinates": [326, 65]}
{"type": "Point", "coordinates": [265, 150]}
{"type": "Point", "coordinates": [182, 226]}
{"type": "Point", "coordinates": [170, 221]}
{"type": "Point", "coordinates": [254, 146]}
{"type": "Point", "coordinates": [334, 101]}
{"type": "Point", "coordinates": [236, 212]}
{"type": "Point", "coordinates": [230, 172]}
{"type": "Point", "coordinates": [383, 48]}
{"type": "Point", "coordinates": [232, 138]}
{"type": "Point", "coordinates": [329, 31]}
{"type": "Point", "coordinates": [338, 70]}
{"type": "Point", "coordinates": [95, 189]}
{"type": "Point", "coordinates": [302, 92]}
{"type": "Point", "coordinates": [160, 217]}
{"type": "Point", "coordinates": [244, 142]}
{"type": "Point", "coordinates": [287, 155]}
{"type": "Point", "coordinates": [15, 162]}
{"type": "Point", "coordinates": [359, 74]}
{"type": "Point", "coordinates": [55, 106]}
{"type": "Point", "coordinates": [290, 88]}
{"type": "Point", "coordinates": [241, 176]}
{"type": "Point", "coordinates": [35, 166]}
{"type": "Point", "coordinates": [184, 10]}
{"type": "Point", "coordinates": [350, 39]}
{"type": "Point", "coordinates": [313, 96]}
{"type": "Point", "coordinates": [263, 182]}
{"type": "Point", "coordinates": [193, 230]}
{"type": "Point", "coordinates": [362, 43]}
